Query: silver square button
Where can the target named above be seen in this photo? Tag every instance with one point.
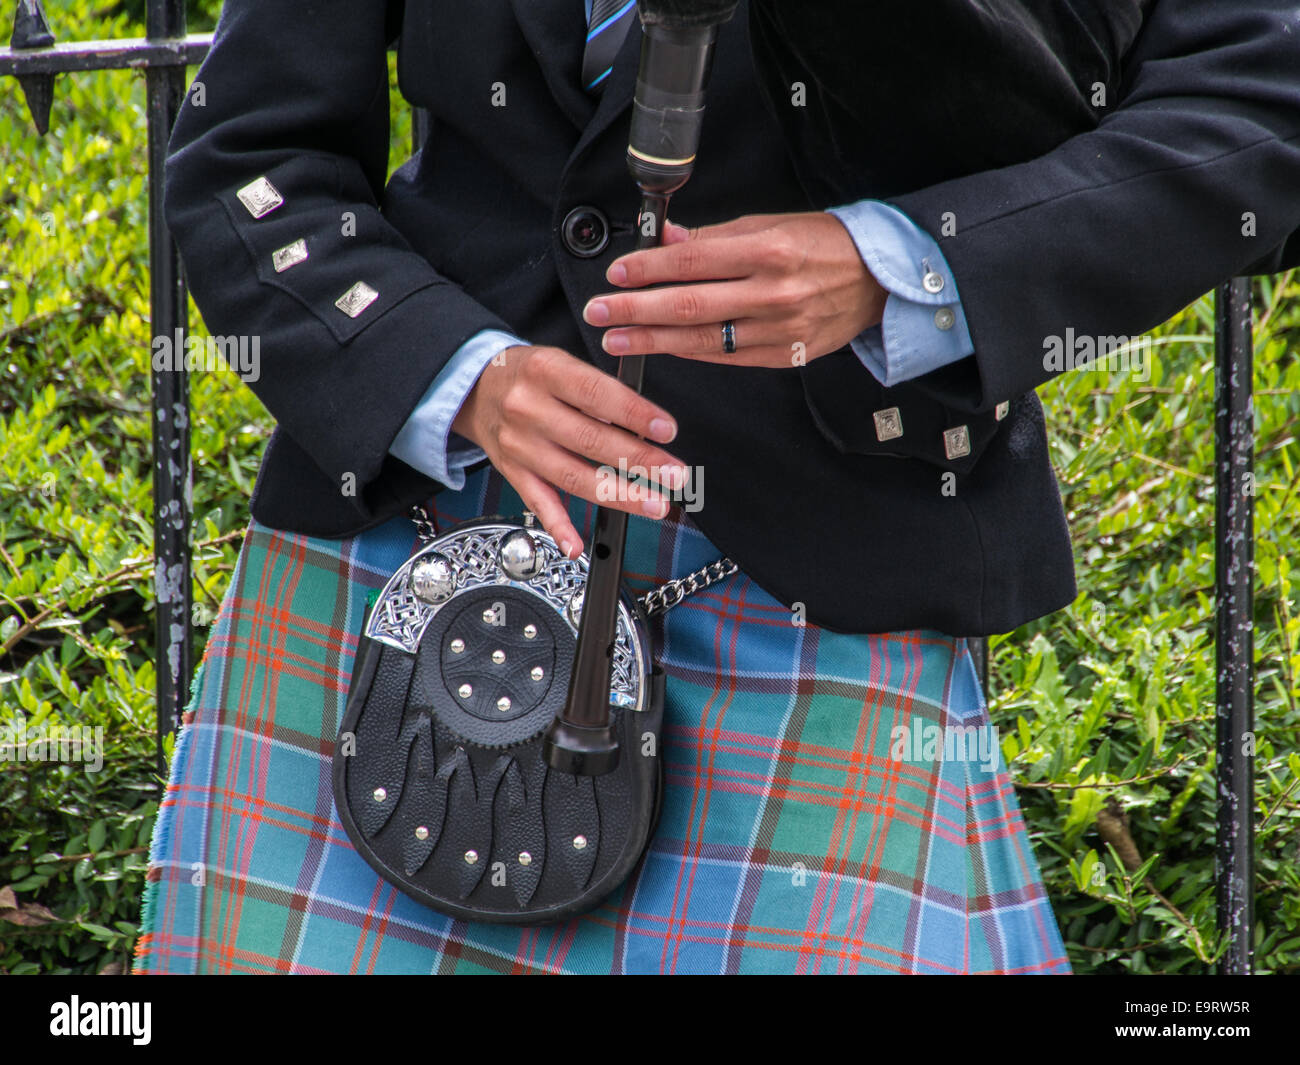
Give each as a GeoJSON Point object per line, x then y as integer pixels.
{"type": "Point", "coordinates": [289, 255]}
{"type": "Point", "coordinates": [956, 442]}
{"type": "Point", "coordinates": [889, 424]}
{"type": "Point", "coordinates": [356, 299]}
{"type": "Point", "coordinates": [260, 197]}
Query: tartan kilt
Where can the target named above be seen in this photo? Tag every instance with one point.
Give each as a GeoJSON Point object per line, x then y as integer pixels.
{"type": "Point", "coordinates": [817, 815]}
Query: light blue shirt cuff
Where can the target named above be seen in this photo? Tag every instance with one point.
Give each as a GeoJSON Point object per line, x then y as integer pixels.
{"type": "Point", "coordinates": [426, 441]}
{"type": "Point", "coordinates": [923, 326]}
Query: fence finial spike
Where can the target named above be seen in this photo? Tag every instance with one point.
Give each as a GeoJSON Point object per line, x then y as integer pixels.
{"type": "Point", "coordinates": [38, 89]}
{"type": "Point", "coordinates": [31, 30]}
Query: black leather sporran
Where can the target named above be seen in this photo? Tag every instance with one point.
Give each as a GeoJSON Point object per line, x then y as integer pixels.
{"type": "Point", "coordinates": [439, 778]}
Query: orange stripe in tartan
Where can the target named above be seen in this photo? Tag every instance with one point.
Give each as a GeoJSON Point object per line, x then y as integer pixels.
{"type": "Point", "coordinates": [527, 948]}
{"type": "Point", "coordinates": [872, 860]}
{"type": "Point", "coordinates": [793, 753]}
{"type": "Point", "coordinates": [822, 794]}
{"type": "Point", "coordinates": [797, 752]}
{"type": "Point", "coordinates": [244, 646]}
{"type": "Point", "coordinates": [564, 944]}
{"type": "Point", "coordinates": [311, 633]}
{"type": "Point", "coordinates": [708, 752]}
{"type": "Point", "coordinates": [913, 648]}
{"type": "Point", "coordinates": [752, 938]}
{"type": "Point", "coordinates": [263, 722]}
{"type": "Point", "coordinates": [241, 805]}
{"type": "Point", "coordinates": [381, 931]}
{"type": "Point", "coordinates": [364, 930]}
{"type": "Point", "coordinates": [1007, 822]}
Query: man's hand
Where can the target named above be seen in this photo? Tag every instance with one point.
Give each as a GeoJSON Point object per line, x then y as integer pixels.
{"type": "Point", "coordinates": [794, 284]}
{"type": "Point", "coordinates": [539, 413]}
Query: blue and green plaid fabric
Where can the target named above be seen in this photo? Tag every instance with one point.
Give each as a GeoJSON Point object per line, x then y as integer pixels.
{"type": "Point", "coordinates": [810, 822]}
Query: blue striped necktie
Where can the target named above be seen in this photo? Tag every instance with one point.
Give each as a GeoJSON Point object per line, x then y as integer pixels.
{"type": "Point", "coordinates": [606, 30]}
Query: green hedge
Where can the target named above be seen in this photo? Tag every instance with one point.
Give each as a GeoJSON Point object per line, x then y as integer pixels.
{"type": "Point", "coordinates": [1105, 709]}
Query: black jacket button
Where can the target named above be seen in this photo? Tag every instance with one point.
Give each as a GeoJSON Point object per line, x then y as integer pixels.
{"type": "Point", "coordinates": [585, 232]}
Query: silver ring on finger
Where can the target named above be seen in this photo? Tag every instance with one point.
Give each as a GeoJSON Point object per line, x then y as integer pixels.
{"type": "Point", "coordinates": [729, 337]}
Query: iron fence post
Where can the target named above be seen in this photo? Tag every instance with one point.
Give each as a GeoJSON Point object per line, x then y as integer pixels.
{"type": "Point", "coordinates": [165, 88]}
{"type": "Point", "coordinates": [1234, 444]}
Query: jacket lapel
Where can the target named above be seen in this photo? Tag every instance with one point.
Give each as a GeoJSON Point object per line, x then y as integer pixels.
{"type": "Point", "coordinates": [556, 32]}
{"type": "Point", "coordinates": [620, 87]}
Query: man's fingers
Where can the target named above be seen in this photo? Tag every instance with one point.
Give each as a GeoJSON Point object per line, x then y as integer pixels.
{"type": "Point", "coordinates": [609, 445]}
{"type": "Point", "coordinates": [552, 415]}
{"type": "Point", "coordinates": [681, 305]}
{"type": "Point", "coordinates": [737, 227]}
{"type": "Point", "coordinates": [596, 484]}
{"type": "Point", "coordinates": [544, 501]}
{"type": "Point", "coordinates": [604, 397]}
{"type": "Point", "coordinates": [703, 341]}
{"type": "Point", "coordinates": [704, 256]}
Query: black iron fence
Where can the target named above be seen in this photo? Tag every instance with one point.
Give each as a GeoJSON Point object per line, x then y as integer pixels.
{"type": "Point", "coordinates": [35, 59]}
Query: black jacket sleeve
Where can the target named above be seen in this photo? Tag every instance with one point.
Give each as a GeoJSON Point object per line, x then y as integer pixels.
{"type": "Point", "coordinates": [1192, 178]}
{"type": "Point", "coordinates": [297, 94]}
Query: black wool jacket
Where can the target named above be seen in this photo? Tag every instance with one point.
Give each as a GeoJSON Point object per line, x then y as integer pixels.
{"type": "Point", "coordinates": [1087, 165]}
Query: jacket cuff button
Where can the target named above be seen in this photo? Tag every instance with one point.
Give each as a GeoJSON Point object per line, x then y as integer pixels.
{"type": "Point", "coordinates": [289, 255]}
{"type": "Point", "coordinates": [260, 197]}
{"type": "Point", "coordinates": [956, 442]}
{"type": "Point", "coordinates": [356, 299]}
{"type": "Point", "coordinates": [889, 424]}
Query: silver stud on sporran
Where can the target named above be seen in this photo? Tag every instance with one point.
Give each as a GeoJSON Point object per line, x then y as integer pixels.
{"type": "Point", "coordinates": [433, 579]}
{"type": "Point", "coordinates": [465, 691]}
{"type": "Point", "coordinates": [518, 556]}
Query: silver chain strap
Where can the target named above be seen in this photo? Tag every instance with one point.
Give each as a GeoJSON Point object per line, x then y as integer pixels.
{"type": "Point", "coordinates": [670, 594]}
{"type": "Point", "coordinates": [655, 601]}
{"type": "Point", "coordinates": [425, 529]}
